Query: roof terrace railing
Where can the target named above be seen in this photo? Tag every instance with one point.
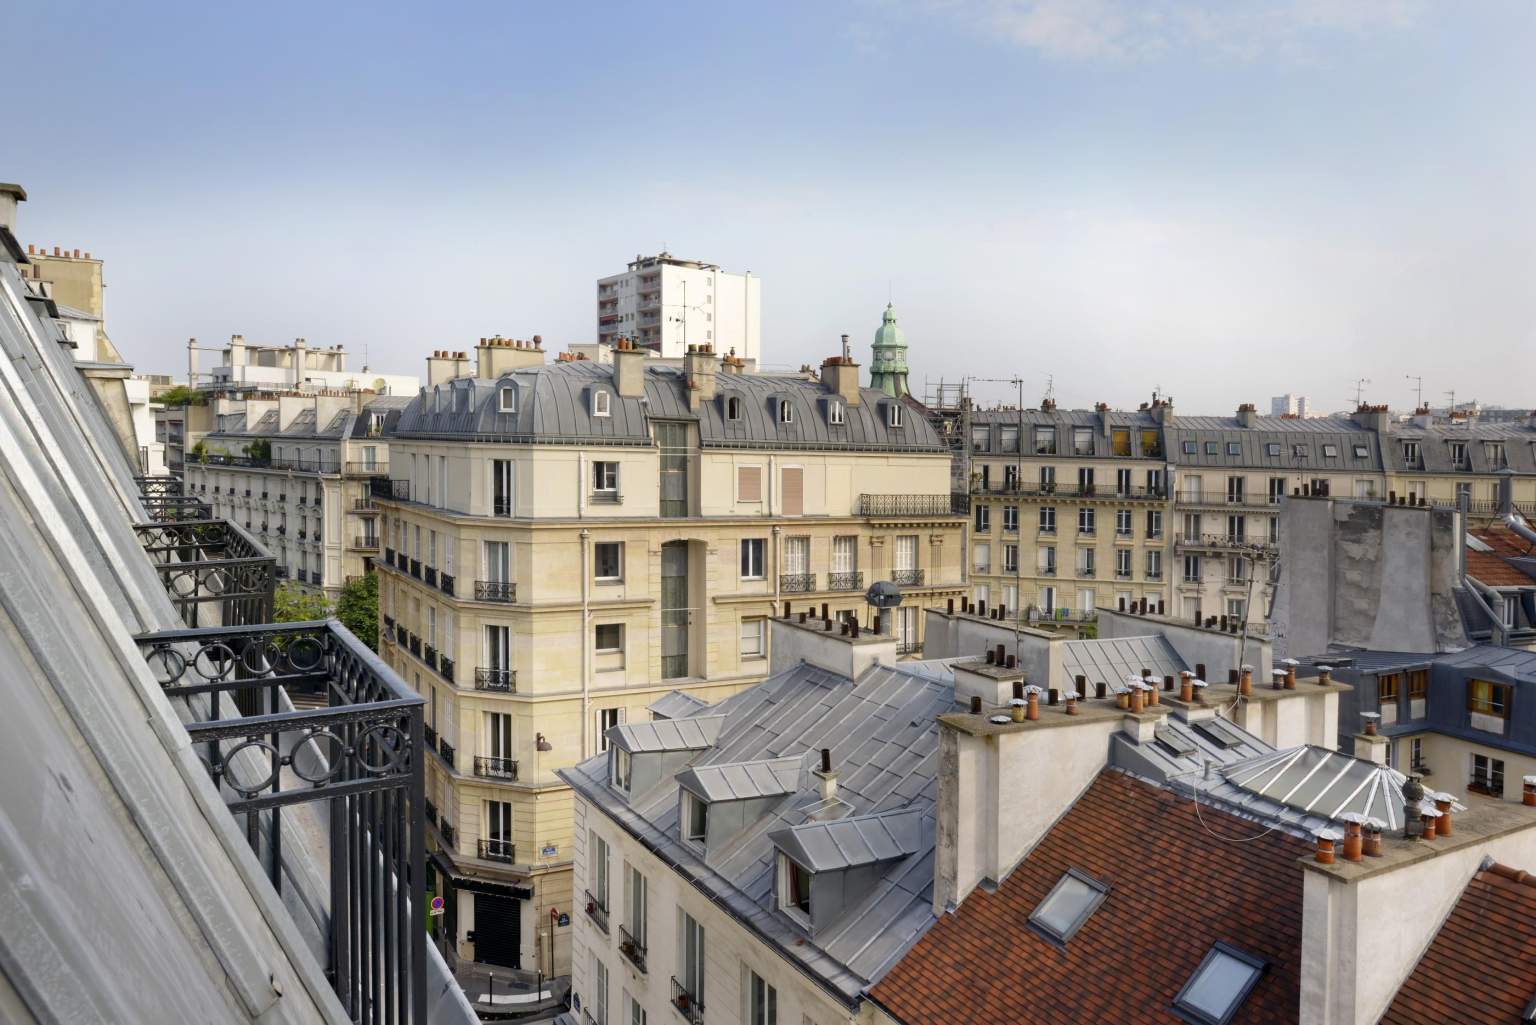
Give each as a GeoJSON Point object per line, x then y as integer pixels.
{"type": "Point", "coordinates": [359, 753]}
{"type": "Point", "coordinates": [906, 505]}
{"type": "Point", "coordinates": [206, 563]}
{"type": "Point", "coordinates": [169, 508]}
{"type": "Point", "coordinates": [161, 485]}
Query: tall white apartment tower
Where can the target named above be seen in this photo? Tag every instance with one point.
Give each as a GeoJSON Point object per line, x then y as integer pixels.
{"type": "Point", "coordinates": [1289, 405]}
{"type": "Point", "coordinates": [666, 304]}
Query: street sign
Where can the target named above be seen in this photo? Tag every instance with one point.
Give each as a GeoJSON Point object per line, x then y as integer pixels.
{"type": "Point", "coordinates": [437, 906]}
{"type": "Point", "coordinates": [549, 852]}
{"type": "Point", "coordinates": [564, 919]}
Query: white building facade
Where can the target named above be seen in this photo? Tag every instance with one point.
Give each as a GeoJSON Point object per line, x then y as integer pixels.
{"type": "Point", "coordinates": [666, 304]}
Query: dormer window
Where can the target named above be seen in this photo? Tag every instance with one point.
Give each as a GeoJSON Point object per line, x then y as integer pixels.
{"type": "Point", "coordinates": [893, 415]}
{"type": "Point", "coordinates": [795, 890]}
{"type": "Point", "coordinates": [621, 766]}
{"type": "Point", "coordinates": [1219, 986]}
{"type": "Point", "coordinates": [506, 399]}
{"type": "Point", "coordinates": [733, 408]}
{"type": "Point", "coordinates": [600, 403]}
{"type": "Point", "coordinates": [1330, 451]}
{"type": "Point", "coordinates": [835, 414]}
{"type": "Point", "coordinates": [1272, 449]}
{"type": "Point", "coordinates": [786, 411]}
{"type": "Point", "coordinates": [695, 818]}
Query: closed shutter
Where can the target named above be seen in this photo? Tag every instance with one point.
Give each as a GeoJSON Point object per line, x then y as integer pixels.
{"type": "Point", "coordinates": [794, 491]}
{"type": "Point", "coordinates": [749, 483]}
{"type": "Point", "coordinates": [498, 930]}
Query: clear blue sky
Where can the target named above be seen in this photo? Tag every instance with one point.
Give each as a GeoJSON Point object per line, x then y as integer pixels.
{"type": "Point", "coordinates": [1229, 199]}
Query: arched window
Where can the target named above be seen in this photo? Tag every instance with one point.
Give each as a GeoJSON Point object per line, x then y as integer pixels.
{"type": "Point", "coordinates": [893, 414]}
{"type": "Point", "coordinates": [733, 408]}
{"type": "Point", "coordinates": [786, 411]}
{"type": "Point", "coordinates": [835, 413]}
{"type": "Point", "coordinates": [600, 403]}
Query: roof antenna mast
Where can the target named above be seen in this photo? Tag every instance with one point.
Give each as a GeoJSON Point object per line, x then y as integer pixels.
{"type": "Point", "coordinates": [1418, 387]}
{"type": "Point", "coordinates": [1360, 390]}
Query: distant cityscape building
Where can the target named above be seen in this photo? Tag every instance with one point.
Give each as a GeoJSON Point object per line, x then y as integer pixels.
{"type": "Point", "coordinates": [888, 370]}
{"type": "Point", "coordinates": [665, 304]}
{"type": "Point", "coordinates": [297, 367]}
{"type": "Point", "coordinates": [1289, 405]}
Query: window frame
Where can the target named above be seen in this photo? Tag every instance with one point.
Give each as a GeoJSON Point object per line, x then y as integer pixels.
{"type": "Point", "coordinates": [787, 867]}
{"type": "Point", "coordinates": [1362, 451]}
{"type": "Point", "coordinates": [618, 547]}
{"type": "Point", "coordinates": [759, 623]}
{"type": "Point", "coordinates": [893, 418]}
{"type": "Point", "coordinates": [1061, 938]}
{"type": "Point", "coordinates": [692, 803]}
{"type": "Point", "coordinates": [605, 476]}
{"type": "Point", "coordinates": [1198, 1015]}
{"type": "Point", "coordinates": [602, 402]}
{"type": "Point", "coordinates": [502, 393]}
{"type": "Point", "coordinates": [786, 411]}
{"type": "Point", "coordinates": [759, 545]}
{"type": "Point", "coordinates": [733, 408]}
{"type": "Point", "coordinates": [1497, 709]}
{"type": "Point", "coordinates": [835, 415]}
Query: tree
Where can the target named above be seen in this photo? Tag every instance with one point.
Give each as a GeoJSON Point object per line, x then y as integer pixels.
{"type": "Point", "coordinates": [358, 608]}
{"type": "Point", "coordinates": [259, 450]}
{"type": "Point", "coordinates": [199, 452]}
{"type": "Point", "coordinates": [181, 395]}
{"type": "Point", "coordinates": [293, 604]}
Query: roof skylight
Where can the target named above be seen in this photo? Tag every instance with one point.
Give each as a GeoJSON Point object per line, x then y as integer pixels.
{"type": "Point", "coordinates": [1069, 904]}
{"type": "Point", "coordinates": [1219, 986]}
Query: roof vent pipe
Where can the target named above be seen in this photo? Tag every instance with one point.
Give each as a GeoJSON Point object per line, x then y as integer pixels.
{"type": "Point", "coordinates": [1200, 670]}
{"type": "Point", "coordinates": [999, 654]}
{"type": "Point", "coordinates": [975, 704]}
{"type": "Point", "coordinates": [991, 657]}
{"type": "Point", "coordinates": [1018, 689]}
{"type": "Point", "coordinates": [1013, 661]}
{"type": "Point", "coordinates": [1098, 689]}
{"type": "Point", "coordinates": [1082, 685]}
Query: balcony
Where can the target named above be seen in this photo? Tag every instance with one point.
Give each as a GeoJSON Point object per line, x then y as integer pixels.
{"type": "Point", "coordinates": [498, 850]}
{"type": "Point", "coordinates": [853, 581]}
{"type": "Point", "coordinates": [686, 1005]}
{"type": "Point", "coordinates": [213, 564]}
{"type": "Point", "coordinates": [354, 757]}
{"type": "Point", "coordinates": [429, 655]}
{"type": "Point", "coordinates": [503, 681]}
{"type": "Point", "coordinates": [911, 505]}
{"type": "Point", "coordinates": [1009, 489]}
{"type": "Point", "coordinates": [797, 583]}
{"type": "Point", "coordinates": [365, 543]}
{"type": "Point", "coordinates": [429, 576]}
{"type": "Point", "coordinates": [445, 583]}
{"type": "Point", "coordinates": [597, 912]}
{"type": "Point", "coordinates": [445, 750]}
{"type": "Point", "coordinates": [431, 734]}
{"type": "Point", "coordinates": [175, 508]}
{"type": "Point", "coordinates": [431, 813]}
{"type": "Point", "coordinates": [496, 768]}
{"type": "Point", "coordinates": [908, 646]}
{"type": "Point", "coordinates": [413, 644]}
{"type": "Point", "coordinates": [495, 590]}
{"type": "Point", "coordinates": [445, 667]}
{"type": "Point", "coordinates": [1228, 542]}
{"type": "Point", "coordinates": [360, 505]}
{"type": "Point", "coordinates": [389, 490]}
{"type": "Point", "coordinates": [632, 949]}
{"type": "Point", "coordinates": [907, 577]}
{"type": "Point", "coordinates": [450, 835]}
{"type": "Point", "coordinates": [367, 469]}
{"type": "Point", "coordinates": [415, 568]}
{"type": "Point", "coordinates": [303, 464]}
{"type": "Point", "coordinates": [389, 556]}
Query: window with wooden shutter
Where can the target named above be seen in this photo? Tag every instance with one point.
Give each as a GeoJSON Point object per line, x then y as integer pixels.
{"type": "Point", "coordinates": [794, 491]}
{"type": "Point", "coordinates": [749, 483]}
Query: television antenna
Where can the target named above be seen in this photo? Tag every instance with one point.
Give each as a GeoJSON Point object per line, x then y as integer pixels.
{"type": "Point", "coordinates": [1418, 389]}
{"type": "Point", "coordinates": [1360, 384]}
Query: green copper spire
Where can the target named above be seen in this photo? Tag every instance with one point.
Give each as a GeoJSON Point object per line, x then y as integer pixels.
{"type": "Point", "coordinates": [889, 370]}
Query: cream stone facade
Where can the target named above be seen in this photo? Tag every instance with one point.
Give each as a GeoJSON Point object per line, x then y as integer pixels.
{"type": "Point", "coordinates": [567, 544]}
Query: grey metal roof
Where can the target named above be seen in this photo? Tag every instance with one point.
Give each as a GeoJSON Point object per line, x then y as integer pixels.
{"type": "Point", "coordinates": [738, 781]}
{"type": "Point", "coordinates": [675, 704]}
{"type": "Point", "coordinates": [1179, 749]}
{"type": "Point", "coordinates": [688, 734]}
{"type": "Point", "coordinates": [1323, 784]}
{"type": "Point", "coordinates": [1304, 444]}
{"type": "Point", "coordinates": [554, 406]}
{"type": "Point", "coordinates": [1516, 663]}
{"type": "Point", "coordinates": [883, 733]}
{"type": "Point", "coordinates": [853, 841]}
{"type": "Point", "coordinates": [995, 421]}
{"type": "Point", "coordinates": [1111, 660]}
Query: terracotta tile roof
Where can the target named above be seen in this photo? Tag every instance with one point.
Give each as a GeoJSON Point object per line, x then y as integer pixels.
{"type": "Point", "coordinates": [1174, 890]}
{"type": "Point", "coordinates": [1481, 965]}
{"type": "Point", "coordinates": [1490, 567]}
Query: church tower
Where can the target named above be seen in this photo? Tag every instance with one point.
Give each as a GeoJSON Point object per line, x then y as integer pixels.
{"type": "Point", "coordinates": [888, 372]}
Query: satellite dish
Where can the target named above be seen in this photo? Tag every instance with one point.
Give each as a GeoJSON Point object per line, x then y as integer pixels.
{"type": "Point", "coordinates": [883, 595]}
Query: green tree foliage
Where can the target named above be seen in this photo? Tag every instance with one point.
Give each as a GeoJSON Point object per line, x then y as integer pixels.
{"type": "Point", "coordinates": [293, 604]}
{"type": "Point", "coordinates": [199, 452]}
{"type": "Point", "coordinates": [358, 608]}
{"type": "Point", "coordinates": [181, 395]}
{"type": "Point", "coordinates": [260, 449]}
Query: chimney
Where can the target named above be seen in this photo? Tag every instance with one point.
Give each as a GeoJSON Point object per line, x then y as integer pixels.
{"type": "Point", "coordinates": [1528, 791]}
{"type": "Point", "coordinates": [1372, 418]}
{"type": "Point", "coordinates": [827, 775]}
{"type": "Point", "coordinates": [1245, 681]}
{"type": "Point", "coordinates": [1370, 746]}
{"type": "Point", "coordinates": [700, 365]}
{"type": "Point", "coordinates": [1246, 414]}
{"type": "Point", "coordinates": [1187, 687]}
{"type": "Point", "coordinates": [629, 369]}
{"type": "Point", "coordinates": [10, 195]}
{"type": "Point", "coordinates": [1324, 675]}
{"type": "Point", "coordinates": [1443, 804]}
{"type": "Point", "coordinates": [840, 375]}
{"type": "Point", "coordinates": [443, 366]}
{"type": "Point", "coordinates": [497, 356]}
{"type": "Point", "coordinates": [1102, 409]}
{"type": "Point", "coordinates": [1354, 845]}
{"type": "Point", "coordinates": [1325, 839]}
{"type": "Point", "coordinates": [1290, 672]}
{"type": "Point", "coordinates": [1032, 698]}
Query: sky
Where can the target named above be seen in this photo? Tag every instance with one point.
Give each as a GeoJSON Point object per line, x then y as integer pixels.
{"type": "Point", "coordinates": [1225, 200]}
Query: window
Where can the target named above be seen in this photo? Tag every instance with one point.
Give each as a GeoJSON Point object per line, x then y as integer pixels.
{"type": "Point", "coordinates": [1234, 448]}
{"type": "Point", "coordinates": [693, 957]}
{"type": "Point", "coordinates": [1387, 688]}
{"type": "Point", "coordinates": [981, 559]}
{"type": "Point", "coordinates": [695, 818]}
{"type": "Point", "coordinates": [1123, 522]}
{"type": "Point", "coordinates": [752, 550]}
{"type": "Point", "coordinates": [733, 408]}
{"type": "Point", "coordinates": [607, 719]}
{"type": "Point", "coordinates": [845, 553]}
{"type": "Point", "coordinates": [605, 476]}
{"type": "Point", "coordinates": [893, 414]}
{"type": "Point", "coordinates": [762, 1002]}
{"type": "Point", "coordinates": [1048, 478]}
{"type": "Point", "coordinates": [1330, 451]}
{"type": "Point", "coordinates": [749, 484]}
{"type": "Point", "coordinates": [1120, 441]}
{"type": "Point", "coordinates": [1299, 451]}
{"type": "Point", "coordinates": [621, 766]}
{"type": "Point", "coordinates": [1276, 490]}
{"type": "Point", "coordinates": [1082, 441]}
{"type": "Point", "coordinates": [1010, 519]}
{"type": "Point", "coordinates": [1047, 519]}
{"type": "Point", "coordinates": [1154, 524]}
{"type": "Point", "coordinates": [1362, 452]}
{"type": "Point", "coordinates": [1123, 563]}
{"type": "Point", "coordinates": [1123, 482]}
{"type": "Point", "coordinates": [636, 904]}
{"type": "Point", "coordinates": [1047, 560]}
{"type": "Point", "coordinates": [906, 554]}
{"type": "Point", "coordinates": [1487, 775]}
{"type": "Point", "coordinates": [794, 888]}
{"type": "Point", "coordinates": [599, 1002]}
{"type": "Point", "coordinates": [835, 414]}
{"type": "Point", "coordinates": [983, 516]}
{"type": "Point", "coordinates": [1010, 558]}
{"type": "Point", "coordinates": [1212, 448]}
{"type": "Point", "coordinates": [1235, 488]}
{"type": "Point", "coordinates": [981, 439]}
{"type": "Point", "coordinates": [1085, 479]}
{"type": "Point", "coordinates": [786, 411]}
{"type": "Point", "coordinates": [1416, 754]}
{"type": "Point", "coordinates": [501, 487]}
{"type": "Point", "coordinates": [636, 1012]}
{"type": "Point", "coordinates": [1237, 527]}
{"type": "Point", "coordinates": [607, 560]}
{"type": "Point", "coordinates": [1192, 569]}
{"type": "Point", "coordinates": [1488, 698]}
{"type": "Point", "coordinates": [1459, 458]}
{"type": "Point", "coordinates": [1411, 455]}
{"type": "Point", "coordinates": [753, 638]}
{"type": "Point", "coordinates": [1272, 449]}
{"type": "Point", "coordinates": [598, 872]}
{"type": "Point", "coordinates": [1045, 441]}
{"type": "Point", "coordinates": [1189, 448]}
{"type": "Point", "coordinates": [1071, 901]}
{"type": "Point", "coordinates": [506, 399]}
{"type": "Point", "coordinates": [1219, 986]}
{"type": "Point", "coordinates": [610, 637]}
{"type": "Point", "coordinates": [1085, 562]}
{"type": "Point", "coordinates": [600, 403]}
{"type": "Point", "coordinates": [1008, 439]}
{"type": "Point", "coordinates": [1237, 569]}
{"type": "Point", "coordinates": [1086, 520]}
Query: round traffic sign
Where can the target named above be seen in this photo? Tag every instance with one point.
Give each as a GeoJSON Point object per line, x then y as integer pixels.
{"type": "Point", "coordinates": [437, 903]}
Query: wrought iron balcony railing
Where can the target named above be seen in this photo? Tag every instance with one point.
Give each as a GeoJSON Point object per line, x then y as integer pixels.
{"type": "Point", "coordinates": [175, 508]}
{"type": "Point", "coordinates": [429, 576]}
{"type": "Point", "coordinates": [365, 543]}
{"type": "Point", "coordinates": [909, 505]}
{"type": "Point", "coordinates": [504, 680]}
{"type": "Point", "coordinates": [360, 505]}
{"type": "Point", "coordinates": [367, 469]}
{"type": "Point", "coordinates": [450, 835]}
{"type": "Point", "coordinates": [394, 490]}
{"type": "Point", "coordinates": [303, 464]}
{"type": "Point", "coordinates": [445, 750]}
{"type": "Point", "coordinates": [429, 655]}
{"type": "Point", "coordinates": [212, 565]}
{"type": "Point", "coordinates": [853, 581]}
{"type": "Point", "coordinates": [498, 850]}
{"type": "Point", "coordinates": [1007, 489]}
{"type": "Point", "coordinates": [445, 583]}
{"type": "Point", "coordinates": [495, 590]}
{"type": "Point", "coordinates": [797, 583]}
{"type": "Point", "coordinates": [163, 485]}
{"type": "Point", "coordinates": [597, 912]}
{"type": "Point", "coordinates": [495, 768]}
{"type": "Point", "coordinates": [357, 754]}
{"type": "Point", "coordinates": [415, 569]}
{"type": "Point", "coordinates": [632, 949]}
{"type": "Point", "coordinates": [430, 733]}
{"type": "Point", "coordinates": [445, 667]}
{"type": "Point", "coordinates": [687, 1005]}
{"type": "Point", "coordinates": [907, 577]}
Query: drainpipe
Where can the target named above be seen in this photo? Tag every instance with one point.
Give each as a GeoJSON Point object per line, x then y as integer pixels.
{"type": "Point", "coordinates": [1481, 593]}
{"type": "Point", "coordinates": [773, 567]}
{"type": "Point", "coordinates": [586, 646]}
{"type": "Point", "coordinates": [581, 480]}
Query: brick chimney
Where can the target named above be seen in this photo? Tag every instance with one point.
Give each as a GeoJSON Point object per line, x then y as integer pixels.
{"type": "Point", "coordinates": [629, 369]}
{"type": "Point", "coordinates": [839, 374]}
{"type": "Point", "coordinates": [700, 364]}
{"type": "Point", "coordinates": [498, 355]}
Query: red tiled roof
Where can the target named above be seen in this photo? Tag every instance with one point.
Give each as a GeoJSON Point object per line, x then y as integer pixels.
{"type": "Point", "coordinates": [1174, 890]}
{"type": "Point", "coordinates": [1490, 567]}
{"type": "Point", "coordinates": [1481, 965]}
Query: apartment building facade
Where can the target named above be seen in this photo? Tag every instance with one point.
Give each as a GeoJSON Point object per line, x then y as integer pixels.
{"type": "Point", "coordinates": [667, 304]}
{"type": "Point", "coordinates": [567, 544]}
{"type": "Point", "coordinates": [295, 471]}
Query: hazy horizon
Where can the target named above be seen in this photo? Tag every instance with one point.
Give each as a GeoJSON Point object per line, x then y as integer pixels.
{"type": "Point", "coordinates": [1226, 200]}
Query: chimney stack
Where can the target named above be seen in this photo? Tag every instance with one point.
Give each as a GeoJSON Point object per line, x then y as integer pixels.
{"type": "Point", "coordinates": [827, 775]}
{"type": "Point", "coordinates": [497, 356]}
{"type": "Point", "coordinates": [1354, 845]}
{"type": "Point", "coordinates": [11, 194]}
{"type": "Point", "coordinates": [1246, 414]}
{"type": "Point", "coordinates": [1245, 682]}
{"type": "Point", "coordinates": [700, 365]}
{"type": "Point", "coordinates": [840, 375]}
{"type": "Point", "coordinates": [629, 369]}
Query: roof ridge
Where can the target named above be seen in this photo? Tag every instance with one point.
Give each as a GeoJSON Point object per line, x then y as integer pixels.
{"type": "Point", "coordinates": [1514, 875]}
